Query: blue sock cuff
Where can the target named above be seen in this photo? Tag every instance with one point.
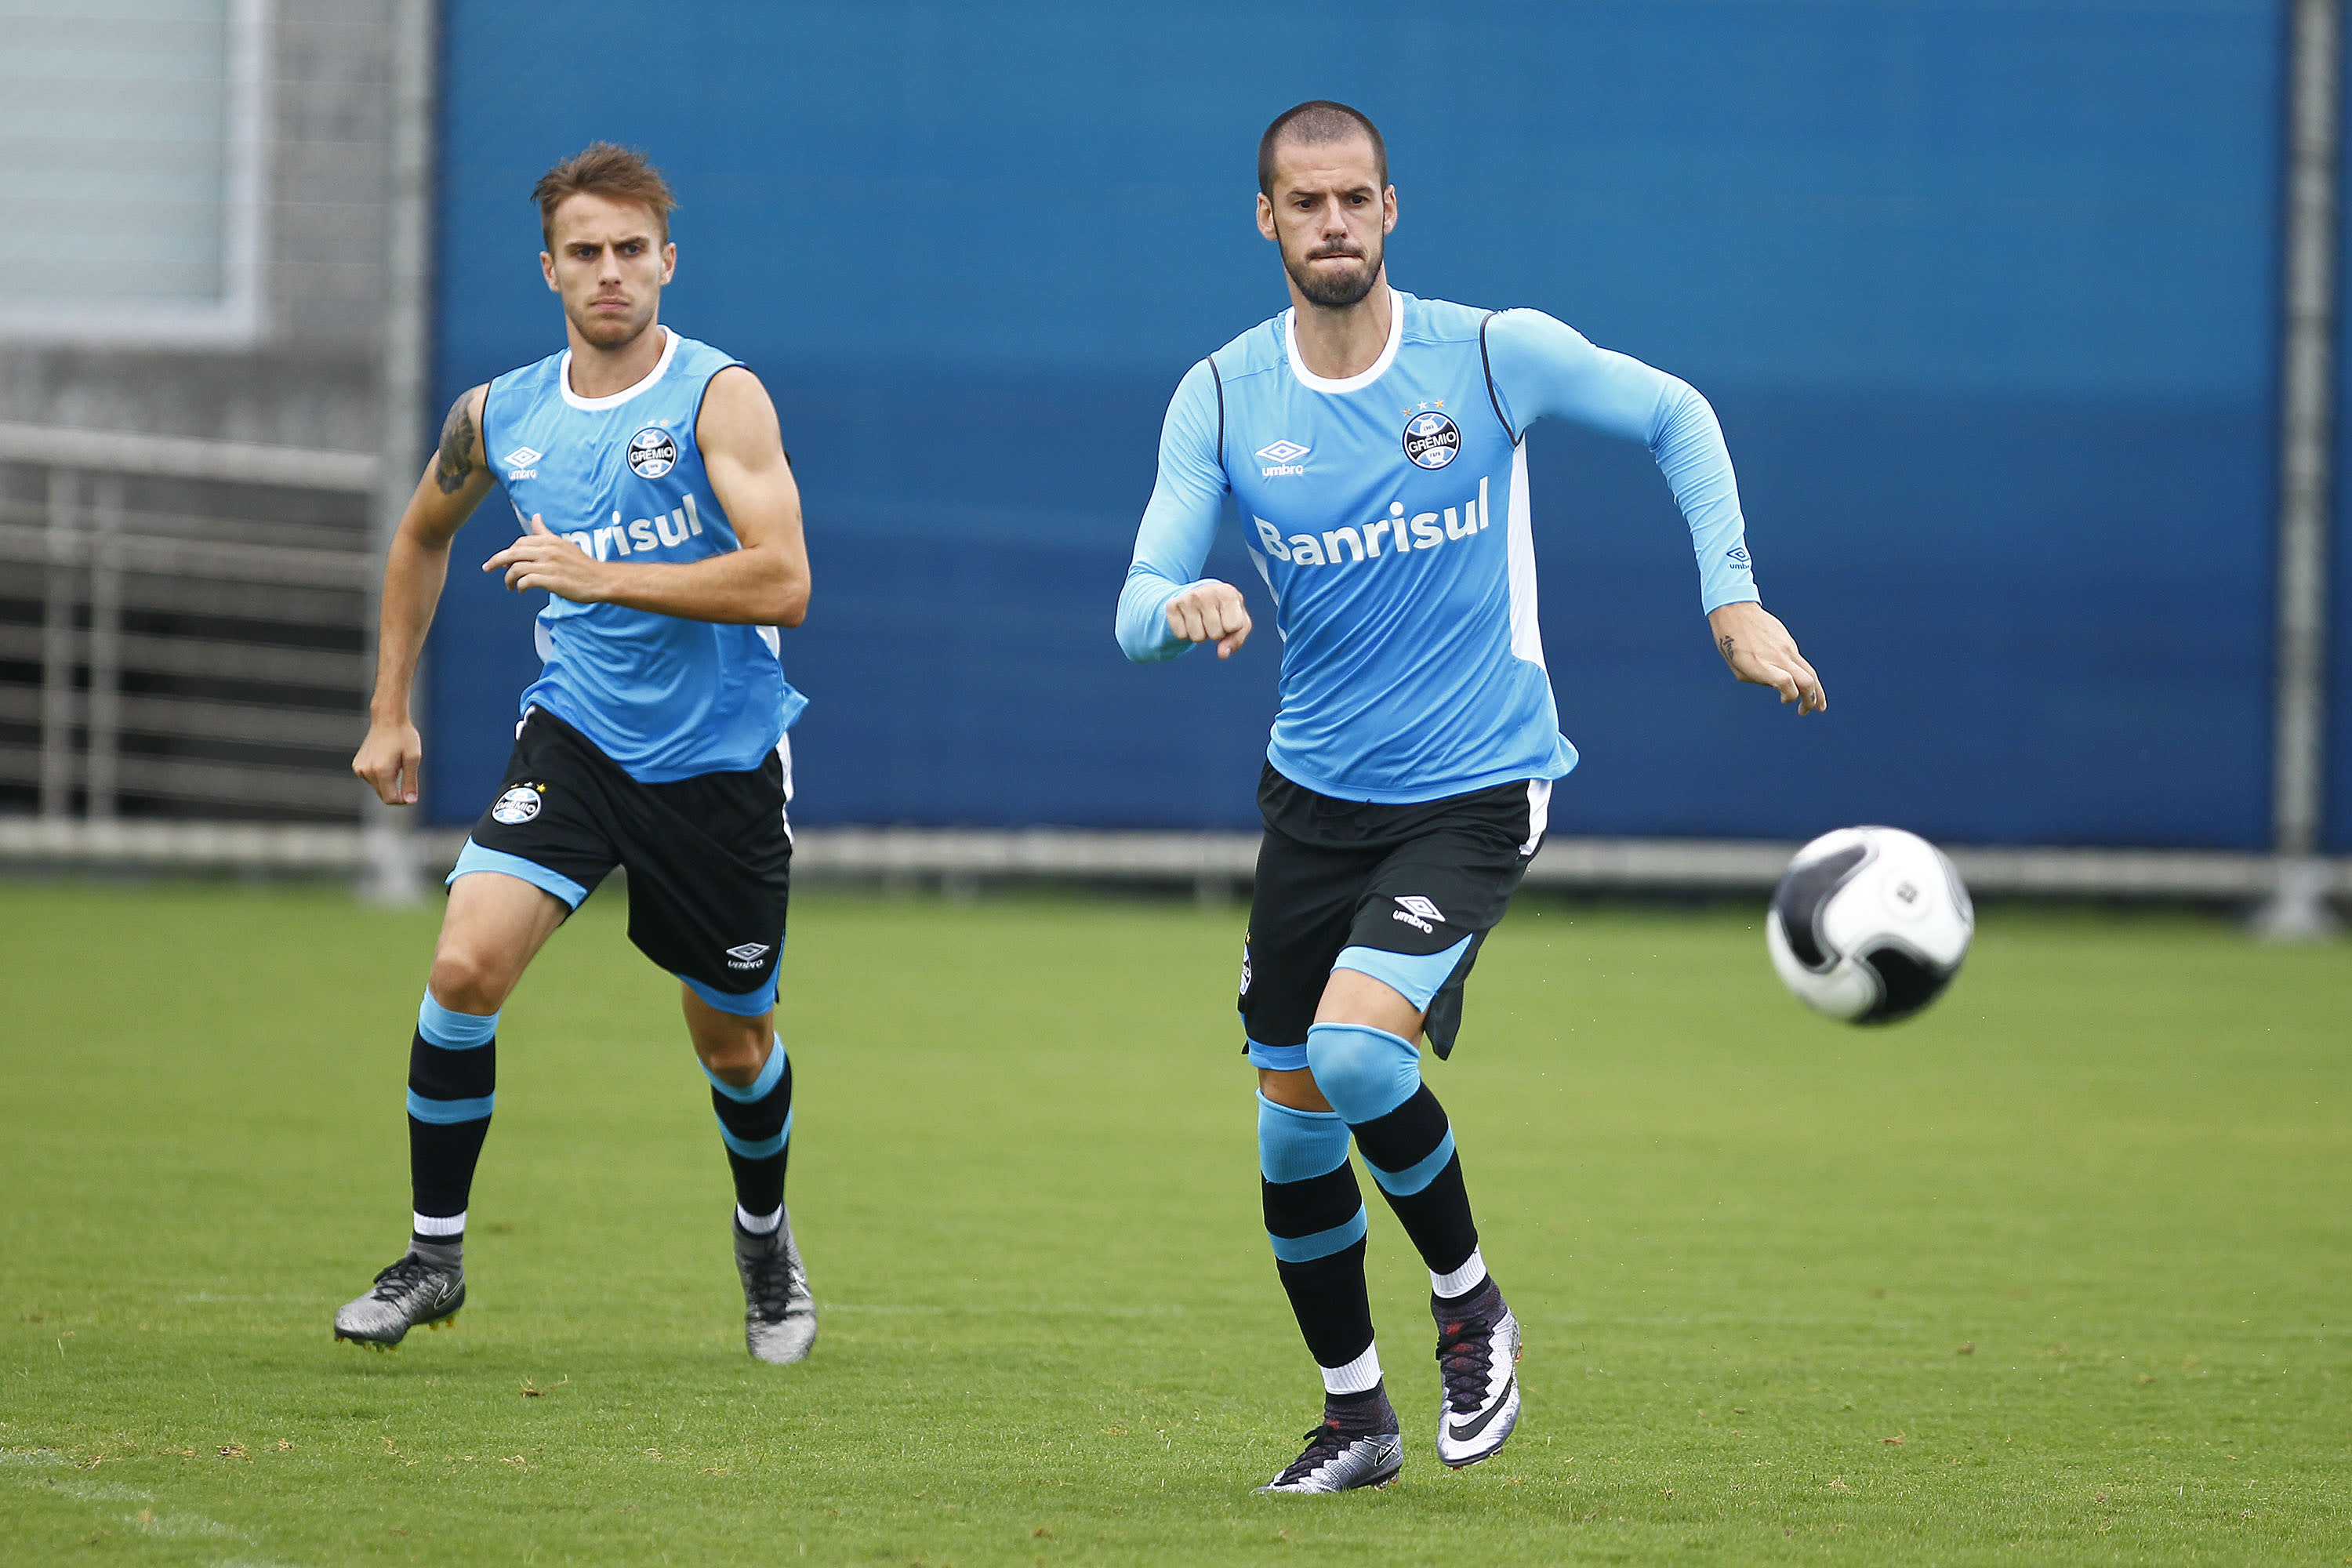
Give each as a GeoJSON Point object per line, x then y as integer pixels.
{"type": "Point", "coordinates": [760, 1088]}
{"type": "Point", "coordinates": [1295, 1146]}
{"type": "Point", "coordinates": [1364, 1072]}
{"type": "Point", "coordinates": [452, 1030]}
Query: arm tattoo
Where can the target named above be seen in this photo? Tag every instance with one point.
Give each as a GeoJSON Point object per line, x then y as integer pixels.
{"type": "Point", "coordinates": [1723, 645]}
{"type": "Point", "coordinates": [455, 465]}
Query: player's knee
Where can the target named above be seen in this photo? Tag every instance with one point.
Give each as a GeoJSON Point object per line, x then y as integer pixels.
{"type": "Point", "coordinates": [735, 1057]}
{"type": "Point", "coordinates": [466, 979]}
{"type": "Point", "coordinates": [1364, 1072]}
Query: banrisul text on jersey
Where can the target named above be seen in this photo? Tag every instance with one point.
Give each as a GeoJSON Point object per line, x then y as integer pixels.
{"type": "Point", "coordinates": [622, 478]}
{"type": "Point", "coordinates": [1388, 514]}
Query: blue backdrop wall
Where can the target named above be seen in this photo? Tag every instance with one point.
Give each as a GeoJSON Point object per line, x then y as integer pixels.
{"type": "Point", "coordinates": [1984, 292]}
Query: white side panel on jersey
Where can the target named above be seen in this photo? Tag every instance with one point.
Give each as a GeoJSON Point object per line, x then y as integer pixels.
{"type": "Point", "coordinates": [1539, 813]}
{"type": "Point", "coordinates": [1259, 558]}
{"type": "Point", "coordinates": [785, 756]}
{"type": "Point", "coordinates": [774, 639]}
{"type": "Point", "coordinates": [1526, 632]}
{"type": "Point", "coordinates": [542, 640]}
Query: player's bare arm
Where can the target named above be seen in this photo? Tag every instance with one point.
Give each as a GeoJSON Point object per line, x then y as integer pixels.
{"type": "Point", "coordinates": [1210, 611]}
{"type": "Point", "coordinates": [765, 583]}
{"type": "Point", "coordinates": [453, 484]}
{"type": "Point", "coordinates": [1760, 651]}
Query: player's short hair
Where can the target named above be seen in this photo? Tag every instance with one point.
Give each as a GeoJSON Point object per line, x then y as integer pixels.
{"type": "Point", "coordinates": [1317, 120]}
{"type": "Point", "coordinates": [603, 169]}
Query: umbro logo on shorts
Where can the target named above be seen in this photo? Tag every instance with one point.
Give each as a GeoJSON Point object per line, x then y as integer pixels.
{"type": "Point", "coordinates": [747, 956]}
{"type": "Point", "coordinates": [1417, 912]}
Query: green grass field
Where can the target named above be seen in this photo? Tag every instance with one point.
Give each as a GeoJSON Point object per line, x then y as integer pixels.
{"type": "Point", "coordinates": [2055, 1274]}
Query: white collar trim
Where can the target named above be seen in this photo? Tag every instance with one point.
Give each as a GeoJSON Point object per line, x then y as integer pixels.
{"type": "Point", "coordinates": [1362, 378]}
{"type": "Point", "coordinates": [661, 368]}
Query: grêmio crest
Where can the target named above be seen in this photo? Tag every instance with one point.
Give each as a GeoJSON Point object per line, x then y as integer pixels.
{"type": "Point", "coordinates": [1432, 439]}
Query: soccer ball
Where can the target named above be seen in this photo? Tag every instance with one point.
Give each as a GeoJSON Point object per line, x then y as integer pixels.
{"type": "Point", "coordinates": [1869, 924]}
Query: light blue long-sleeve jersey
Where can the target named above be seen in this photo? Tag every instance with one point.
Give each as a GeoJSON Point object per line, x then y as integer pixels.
{"type": "Point", "coordinates": [622, 476]}
{"type": "Point", "coordinates": [1412, 663]}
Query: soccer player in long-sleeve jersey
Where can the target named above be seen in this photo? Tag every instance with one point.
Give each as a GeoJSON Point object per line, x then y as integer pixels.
{"type": "Point", "coordinates": [1374, 446]}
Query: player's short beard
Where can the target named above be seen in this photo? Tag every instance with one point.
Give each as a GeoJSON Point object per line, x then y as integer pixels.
{"type": "Point", "coordinates": [1335, 293]}
{"type": "Point", "coordinates": [606, 333]}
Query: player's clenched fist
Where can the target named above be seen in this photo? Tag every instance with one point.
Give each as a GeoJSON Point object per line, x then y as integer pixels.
{"type": "Point", "coordinates": [388, 760]}
{"type": "Point", "coordinates": [1210, 611]}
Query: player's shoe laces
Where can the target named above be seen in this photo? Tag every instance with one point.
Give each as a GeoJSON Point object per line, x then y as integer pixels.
{"type": "Point", "coordinates": [409, 1294]}
{"type": "Point", "coordinates": [1477, 1358]}
{"type": "Point", "coordinates": [779, 1312]}
{"type": "Point", "coordinates": [1354, 1446]}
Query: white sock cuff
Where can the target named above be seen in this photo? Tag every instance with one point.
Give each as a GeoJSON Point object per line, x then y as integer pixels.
{"type": "Point", "coordinates": [759, 1225]}
{"type": "Point", "coordinates": [438, 1224]}
{"type": "Point", "coordinates": [1469, 1277]}
{"type": "Point", "coordinates": [1358, 1375]}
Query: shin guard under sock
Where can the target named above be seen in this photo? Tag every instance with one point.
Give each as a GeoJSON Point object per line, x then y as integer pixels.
{"type": "Point", "coordinates": [756, 1123]}
{"type": "Point", "coordinates": [1410, 1153]}
{"type": "Point", "coordinates": [1315, 1220]}
{"type": "Point", "coordinates": [452, 1084]}
{"type": "Point", "coordinates": [1373, 1079]}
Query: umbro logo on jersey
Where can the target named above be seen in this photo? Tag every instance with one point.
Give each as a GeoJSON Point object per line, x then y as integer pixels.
{"type": "Point", "coordinates": [1736, 555]}
{"type": "Point", "coordinates": [1282, 458]}
{"type": "Point", "coordinates": [518, 463]}
{"type": "Point", "coordinates": [747, 956]}
{"type": "Point", "coordinates": [652, 453]}
{"type": "Point", "coordinates": [1432, 439]}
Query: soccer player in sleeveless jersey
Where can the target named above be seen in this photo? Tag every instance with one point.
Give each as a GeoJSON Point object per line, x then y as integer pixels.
{"type": "Point", "coordinates": [656, 506]}
{"type": "Point", "coordinates": [1374, 444]}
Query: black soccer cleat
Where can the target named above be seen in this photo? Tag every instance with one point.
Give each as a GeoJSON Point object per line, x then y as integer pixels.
{"type": "Point", "coordinates": [1355, 1445]}
{"type": "Point", "coordinates": [409, 1294]}
{"type": "Point", "coordinates": [1477, 1359]}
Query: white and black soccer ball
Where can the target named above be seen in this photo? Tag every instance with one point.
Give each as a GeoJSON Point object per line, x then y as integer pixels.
{"type": "Point", "coordinates": [1869, 924]}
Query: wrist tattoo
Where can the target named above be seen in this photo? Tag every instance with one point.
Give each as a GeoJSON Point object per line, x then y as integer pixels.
{"type": "Point", "coordinates": [455, 464]}
{"type": "Point", "coordinates": [1723, 646]}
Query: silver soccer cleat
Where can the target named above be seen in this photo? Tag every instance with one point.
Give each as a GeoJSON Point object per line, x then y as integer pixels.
{"type": "Point", "coordinates": [778, 1311]}
{"type": "Point", "coordinates": [1344, 1455]}
{"type": "Point", "coordinates": [409, 1294]}
{"type": "Point", "coordinates": [1477, 1358]}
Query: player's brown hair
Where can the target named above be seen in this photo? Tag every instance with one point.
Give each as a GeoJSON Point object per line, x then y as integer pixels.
{"type": "Point", "coordinates": [1317, 120]}
{"type": "Point", "coordinates": [603, 169]}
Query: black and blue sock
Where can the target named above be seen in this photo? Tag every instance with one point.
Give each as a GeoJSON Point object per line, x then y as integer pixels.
{"type": "Point", "coordinates": [452, 1087]}
{"type": "Point", "coordinates": [755, 1122]}
{"type": "Point", "coordinates": [1315, 1220]}
{"type": "Point", "coordinates": [1372, 1079]}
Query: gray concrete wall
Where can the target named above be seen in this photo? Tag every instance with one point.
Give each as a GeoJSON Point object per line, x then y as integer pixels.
{"type": "Point", "coordinates": [311, 380]}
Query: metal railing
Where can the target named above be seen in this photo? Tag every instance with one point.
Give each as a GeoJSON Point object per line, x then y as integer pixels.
{"type": "Point", "coordinates": [180, 627]}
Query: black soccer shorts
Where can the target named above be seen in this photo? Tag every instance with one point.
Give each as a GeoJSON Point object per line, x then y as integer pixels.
{"type": "Point", "coordinates": [1405, 894]}
{"type": "Point", "coordinates": [710, 857]}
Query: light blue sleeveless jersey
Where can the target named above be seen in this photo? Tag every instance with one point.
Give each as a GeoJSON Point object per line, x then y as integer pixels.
{"type": "Point", "coordinates": [622, 478]}
{"type": "Point", "coordinates": [1388, 515]}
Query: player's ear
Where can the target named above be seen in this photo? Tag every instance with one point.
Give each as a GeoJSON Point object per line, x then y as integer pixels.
{"type": "Point", "coordinates": [1387, 219]}
{"type": "Point", "coordinates": [1264, 216]}
{"type": "Point", "coordinates": [670, 260]}
{"type": "Point", "coordinates": [546, 270]}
